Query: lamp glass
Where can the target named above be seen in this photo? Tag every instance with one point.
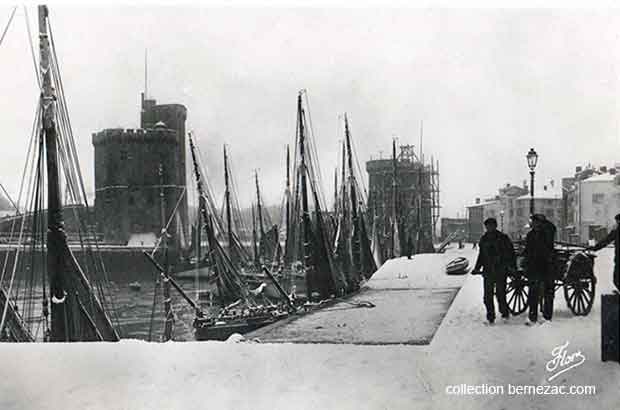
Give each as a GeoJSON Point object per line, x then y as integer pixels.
{"type": "Point", "coordinates": [532, 159]}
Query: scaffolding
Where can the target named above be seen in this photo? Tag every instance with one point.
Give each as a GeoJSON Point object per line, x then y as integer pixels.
{"type": "Point", "coordinates": [418, 197]}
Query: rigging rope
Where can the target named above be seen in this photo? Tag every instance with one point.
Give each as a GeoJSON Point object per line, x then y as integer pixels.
{"type": "Point", "coordinates": [8, 24]}
{"type": "Point", "coordinates": [25, 173]}
{"type": "Point", "coordinates": [15, 263]}
{"type": "Point", "coordinates": [34, 58]}
{"type": "Point", "coordinates": [75, 180]}
{"type": "Point", "coordinates": [164, 231]}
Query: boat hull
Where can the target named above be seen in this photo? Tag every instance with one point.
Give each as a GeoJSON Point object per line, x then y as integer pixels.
{"type": "Point", "coordinates": [223, 330]}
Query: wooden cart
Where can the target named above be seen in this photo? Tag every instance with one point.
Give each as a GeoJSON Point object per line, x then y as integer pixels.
{"type": "Point", "coordinates": [573, 268]}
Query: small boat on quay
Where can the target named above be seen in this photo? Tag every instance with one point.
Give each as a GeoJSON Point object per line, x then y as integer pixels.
{"type": "Point", "coordinates": [135, 286]}
{"type": "Point", "coordinates": [458, 266]}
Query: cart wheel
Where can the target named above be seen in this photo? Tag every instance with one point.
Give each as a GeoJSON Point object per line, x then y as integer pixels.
{"type": "Point", "coordinates": [579, 295]}
{"type": "Point", "coordinates": [516, 294]}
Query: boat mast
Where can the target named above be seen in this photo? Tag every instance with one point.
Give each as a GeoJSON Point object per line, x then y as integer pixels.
{"type": "Point", "coordinates": [288, 195]}
{"type": "Point", "coordinates": [353, 195]}
{"type": "Point", "coordinates": [202, 204]}
{"type": "Point", "coordinates": [310, 279]}
{"type": "Point", "coordinates": [394, 200]}
{"type": "Point", "coordinates": [261, 228]}
{"type": "Point", "coordinates": [168, 321]}
{"type": "Point", "coordinates": [55, 234]}
{"type": "Point", "coordinates": [228, 211]}
{"type": "Point", "coordinates": [343, 182]}
{"type": "Point", "coordinates": [254, 239]}
{"type": "Point", "coordinates": [335, 191]}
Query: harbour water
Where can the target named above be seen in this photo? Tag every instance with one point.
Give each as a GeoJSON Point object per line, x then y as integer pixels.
{"type": "Point", "coordinates": [134, 309]}
{"type": "Point", "coordinates": [139, 320]}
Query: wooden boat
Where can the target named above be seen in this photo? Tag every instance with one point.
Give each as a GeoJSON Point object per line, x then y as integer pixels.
{"type": "Point", "coordinates": [233, 321]}
{"type": "Point", "coordinates": [457, 266]}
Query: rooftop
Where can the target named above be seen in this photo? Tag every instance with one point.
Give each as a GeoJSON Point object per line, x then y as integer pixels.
{"type": "Point", "coordinates": [607, 177]}
{"type": "Point", "coordinates": [542, 193]}
{"type": "Point", "coordinates": [483, 203]}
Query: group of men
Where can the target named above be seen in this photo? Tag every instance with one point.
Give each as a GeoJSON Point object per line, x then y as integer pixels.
{"type": "Point", "coordinates": [497, 259]}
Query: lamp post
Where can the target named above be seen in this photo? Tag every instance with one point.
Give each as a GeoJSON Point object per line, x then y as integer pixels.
{"type": "Point", "coordinates": [501, 219]}
{"type": "Point", "coordinates": [532, 159]}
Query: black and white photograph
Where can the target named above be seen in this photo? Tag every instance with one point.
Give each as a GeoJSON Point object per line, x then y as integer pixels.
{"type": "Point", "coordinates": [290, 205]}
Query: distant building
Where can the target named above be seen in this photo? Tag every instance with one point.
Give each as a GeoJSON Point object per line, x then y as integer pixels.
{"type": "Point", "coordinates": [477, 213]}
{"type": "Point", "coordinates": [450, 225]}
{"type": "Point", "coordinates": [595, 201]}
{"type": "Point", "coordinates": [502, 207]}
{"type": "Point", "coordinates": [140, 176]}
{"type": "Point", "coordinates": [547, 201]}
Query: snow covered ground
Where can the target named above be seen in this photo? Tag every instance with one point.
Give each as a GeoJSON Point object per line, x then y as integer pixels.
{"type": "Point", "coordinates": [403, 303]}
{"type": "Point", "coordinates": [224, 375]}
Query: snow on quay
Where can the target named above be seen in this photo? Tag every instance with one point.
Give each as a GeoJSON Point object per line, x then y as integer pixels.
{"type": "Point", "coordinates": [225, 375]}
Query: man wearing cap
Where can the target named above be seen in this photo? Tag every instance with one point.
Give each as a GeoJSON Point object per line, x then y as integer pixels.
{"type": "Point", "coordinates": [612, 237]}
{"type": "Point", "coordinates": [496, 257]}
{"type": "Point", "coordinates": [539, 258]}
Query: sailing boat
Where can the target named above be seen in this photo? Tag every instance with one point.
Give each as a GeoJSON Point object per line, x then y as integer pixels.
{"type": "Point", "coordinates": [74, 302]}
{"type": "Point", "coordinates": [269, 240]}
{"type": "Point", "coordinates": [310, 243]}
{"type": "Point", "coordinates": [353, 247]}
{"type": "Point", "coordinates": [242, 310]}
{"type": "Point", "coordinates": [237, 252]}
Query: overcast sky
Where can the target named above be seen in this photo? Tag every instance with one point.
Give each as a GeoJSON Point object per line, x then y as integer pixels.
{"type": "Point", "coordinates": [488, 84]}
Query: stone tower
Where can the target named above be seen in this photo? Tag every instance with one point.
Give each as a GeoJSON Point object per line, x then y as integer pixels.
{"type": "Point", "coordinates": [140, 177]}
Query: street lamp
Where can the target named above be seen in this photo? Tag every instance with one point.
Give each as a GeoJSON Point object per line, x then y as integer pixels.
{"type": "Point", "coordinates": [532, 159]}
{"type": "Point", "coordinates": [501, 218]}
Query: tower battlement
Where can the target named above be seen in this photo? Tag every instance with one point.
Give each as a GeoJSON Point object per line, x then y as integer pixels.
{"type": "Point", "coordinates": [138, 135]}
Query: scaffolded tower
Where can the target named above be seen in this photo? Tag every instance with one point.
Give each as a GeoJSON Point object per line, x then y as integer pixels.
{"type": "Point", "coordinates": [417, 202]}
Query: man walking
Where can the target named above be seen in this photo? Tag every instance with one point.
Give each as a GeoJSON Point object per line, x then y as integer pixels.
{"type": "Point", "coordinates": [539, 258]}
{"type": "Point", "coordinates": [615, 238]}
{"type": "Point", "coordinates": [496, 257]}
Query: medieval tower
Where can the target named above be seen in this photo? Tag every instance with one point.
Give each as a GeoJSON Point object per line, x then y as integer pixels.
{"type": "Point", "coordinates": [140, 177]}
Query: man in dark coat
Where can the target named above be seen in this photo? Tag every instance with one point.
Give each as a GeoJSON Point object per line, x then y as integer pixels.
{"type": "Point", "coordinates": [615, 238]}
{"type": "Point", "coordinates": [539, 263]}
{"type": "Point", "coordinates": [496, 257]}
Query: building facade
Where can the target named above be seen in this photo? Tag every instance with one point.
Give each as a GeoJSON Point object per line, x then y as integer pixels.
{"type": "Point", "coordinates": [502, 207]}
{"type": "Point", "coordinates": [547, 201]}
{"type": "Point", "coordinates": [597, 202]}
